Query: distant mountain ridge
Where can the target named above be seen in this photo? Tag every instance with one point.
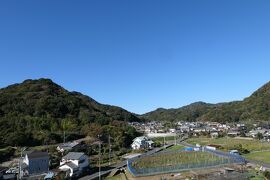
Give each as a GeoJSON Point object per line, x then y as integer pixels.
{"type": "Point", "coordinates": [253, 108]}
{"type": "Point", "coordinates": [44, 97]}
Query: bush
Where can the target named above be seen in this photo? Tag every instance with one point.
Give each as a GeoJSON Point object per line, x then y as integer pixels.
{"type": "Point", "coordinates": [267, 174]}
{"type": "Point", "coordinates": [240, 149]}
{"type": "Point", "coordinates": [6, 153]}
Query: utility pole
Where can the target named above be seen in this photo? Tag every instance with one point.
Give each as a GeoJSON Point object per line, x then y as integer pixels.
{"type": "Point", "coordinates": [110, 150]}
{"type": "Point", "coordinates": [164, 143]}
{"type": "Point", "coordinates": [175, 139]}
{"type": "Point", "coordinates": [64, 130]}
{"type": "Point", "coordinates": [99, 157]}
{"type": "Point", "coordinates": [20, 163]}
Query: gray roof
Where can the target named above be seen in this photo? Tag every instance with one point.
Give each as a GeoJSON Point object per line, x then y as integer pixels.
{"type": "Point", "coordinates": [73, 155]}
{"type": "Point", "coordinates": [37, 154]}
{"type": "Point", "coordinates": [68, 145]}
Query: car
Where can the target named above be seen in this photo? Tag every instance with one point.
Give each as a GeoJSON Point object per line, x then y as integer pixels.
{"type": "Point", "coordinates": [234, 152]}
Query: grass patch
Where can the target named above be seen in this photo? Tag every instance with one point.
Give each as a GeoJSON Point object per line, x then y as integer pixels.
{"type": "Point", "coordinates": [117, 177]}
{"type": "Point", "coordinates": [255, 175]}
{"type": "Point", "coordinates": [175, 148]}
{"type": "Point", "coordinates": [161, 139]}
{"type": "Point", "coordinates": [259, 156]}
{"type": "Point", "coordinates": [228, 143]}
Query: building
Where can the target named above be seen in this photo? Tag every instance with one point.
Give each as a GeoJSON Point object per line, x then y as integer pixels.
{"type": "Point", "coordinates": [66, 146]}
{"type": "Point", "coordinates": [254, 133]}
{"type": "Point", "coordinates": [35, 162]}
{"type": "Point", "coordinates": [142, 143]}
{"type": "Point", "coordinates": [2, 171]}
{"type": "Point", "coordinates": [74, 163]}
{"type": "Point", "coordinates": [233, 133]}
{"type": "Point", "coordinates": [214, 134]}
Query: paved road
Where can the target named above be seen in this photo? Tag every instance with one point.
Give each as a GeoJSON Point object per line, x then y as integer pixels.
{"type": "Point", "coordinates": [263, 164]}
{"type": "Point", "coordinates": [120, 165]}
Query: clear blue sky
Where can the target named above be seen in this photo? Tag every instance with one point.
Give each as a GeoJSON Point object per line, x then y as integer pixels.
{"type": "Point", "coordinates": [139, 54]}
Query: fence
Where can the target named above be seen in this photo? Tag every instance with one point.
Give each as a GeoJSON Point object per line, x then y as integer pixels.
{"type": "Point", "coordinates": [225, 158]}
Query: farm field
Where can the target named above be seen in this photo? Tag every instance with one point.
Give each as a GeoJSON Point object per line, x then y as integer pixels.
{"type": "Point", "coordinates": [175, 148]}
{"type": "Point", "coordinates": [228, 143]}
{"type": "Point", "coordinates": [171, 159]}
{"type": "Point", "coordinates": [259, 156]}
{"type": "Point", "coordinates": [161, 139]}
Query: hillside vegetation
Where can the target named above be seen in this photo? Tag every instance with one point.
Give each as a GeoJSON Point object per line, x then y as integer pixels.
{"type": "Point", "coordinates": [255, 108]}
{"type": "Point", "coordinates": [38, 111]}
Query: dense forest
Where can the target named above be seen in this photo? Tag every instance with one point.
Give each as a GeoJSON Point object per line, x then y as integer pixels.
{"type": "Point", "coordinates": [255, 108]}
{"type": "Point", "coordinates": [38, 111]}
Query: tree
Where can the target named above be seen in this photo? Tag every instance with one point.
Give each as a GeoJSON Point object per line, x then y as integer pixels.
{"type": "Point", "coordinates": [259, 136]}
{"type": "Point", "coordinates": [93, 130]}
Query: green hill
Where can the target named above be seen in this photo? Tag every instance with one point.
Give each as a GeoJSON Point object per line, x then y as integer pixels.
{"type": "Point", "coordinates": [35, 110]}
{"type": "Point", "coordinates": [255, 108]}
{"type": "Point", "coordinates": [186, 113]}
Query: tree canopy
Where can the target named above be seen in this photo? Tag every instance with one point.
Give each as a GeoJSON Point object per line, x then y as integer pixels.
{"type": "Point", "coordinates": [38, 111]}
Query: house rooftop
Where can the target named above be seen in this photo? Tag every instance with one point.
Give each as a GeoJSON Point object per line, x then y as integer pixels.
{"type": "Point", "coordinates": [36, 154]}
{"type": "Point", "coordinates": [73, 155]}
{"type": "Point", "coordinates": [140, 138]}
{"type": "Point", "coordinates": [71, 165]}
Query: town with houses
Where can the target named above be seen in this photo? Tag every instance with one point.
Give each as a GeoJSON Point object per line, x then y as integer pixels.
{"type": "Point", "coordinates": [76, 165]}
{"type": "Point", "coordinates": [214, 129]}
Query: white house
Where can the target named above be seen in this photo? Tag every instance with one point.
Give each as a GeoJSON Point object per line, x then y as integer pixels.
{"type": "Point", "coordinates": [254, 133]}
{"type": "Point", "coordinates": [172, 130]}
{"type": "Point", "coordinates": [214, 134]}
{"type": "Point", "coordinates": [142, 143]}
{"type": "Point", "coordinates": [75, 163]}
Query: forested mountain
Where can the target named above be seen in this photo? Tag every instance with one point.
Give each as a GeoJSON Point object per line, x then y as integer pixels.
{"type": "Point", "coordinates": [39, 110]}
{"type": "Point", "coordinates": [186, 113]}
{"type": "Point", "coordinates": [254, 108]}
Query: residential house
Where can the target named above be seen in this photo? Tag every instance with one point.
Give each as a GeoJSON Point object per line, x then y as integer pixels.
{"type": "Point", "coordinates": [35, 162]}
{"type": "Point", "coordinates": [184, 128]}
{"type": "Point", "coordinates": [75, 163]}
{"type": "Point", "coordinates": [2, 171]}
{"type": "Point", "coordinates": [264, 132]}
{"type": "Point", "coordinates": [66, 146]}
{"type": "Point", "coordinates": [233, 133]}
{"type": "Point", "coordinates": [142, 143]}
{"type": "Point", "coordinates": [266, 136]}
{"type": "Point", "coordinates": [214, 134]}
